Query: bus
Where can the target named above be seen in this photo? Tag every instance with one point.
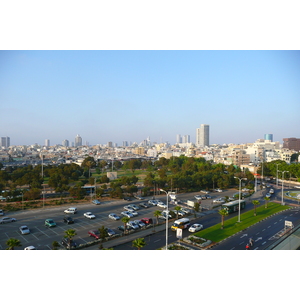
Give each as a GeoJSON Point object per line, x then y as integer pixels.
{"type": "Point", "coordinates": [233, 206]}
{"type": "Point", "coordinates": [181, 223]}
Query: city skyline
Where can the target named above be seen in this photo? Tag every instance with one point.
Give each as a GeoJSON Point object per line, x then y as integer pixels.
{"type": "Point", "coordinates": [128, 95]}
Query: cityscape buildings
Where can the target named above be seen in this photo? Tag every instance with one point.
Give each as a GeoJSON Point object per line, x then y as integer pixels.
{"type": "Point", "coordinates": [291, 143]}
{"type": "Point", "coordinates": [78, 141]}
{"type": "Point", "coordinates": [269, 137]}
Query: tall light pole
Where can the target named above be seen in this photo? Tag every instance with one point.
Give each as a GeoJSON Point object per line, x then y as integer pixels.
{"type": "Point", "coordinates": [277, 175]}
{"type": "Point", "coordinates": [282, 186]}
{"type": "Point", "coordinates": [167, 194]}
{"type": "Point", "coordinates": [240, 179]}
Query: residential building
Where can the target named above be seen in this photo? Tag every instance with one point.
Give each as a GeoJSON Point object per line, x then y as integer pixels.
{"type": "Point", "coordinates": [78, 141]}
{"type": "Point", "coordinates": [5, 142]}
{"type": "Point", "coordinates": [291, 143]}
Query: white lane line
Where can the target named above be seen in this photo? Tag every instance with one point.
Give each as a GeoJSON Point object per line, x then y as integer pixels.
{"type": "Point", "coordinates": [269, 226]}
{"type": "Point", "coordinates": [42, 232]}
{"type": "Point", "coordinates": [263, 242]}
{"type": "Point", "coordinates": [232, 248]}
{"type": "Point", "coordinates": [157, 241]}
{"type": "Point", "coordinates": [264, 229]}
{"type": "Point", "coordinates": [255, 248]}
{"type": "Point", "coordinates": [34, 236]}
{"type": "Point", "coordinates": [241, 243]}
{"type": "Point", "coordinates": [275, 223]}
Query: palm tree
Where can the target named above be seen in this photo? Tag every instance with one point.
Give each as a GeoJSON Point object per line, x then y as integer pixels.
{"type": "Point", "coordinates": [139, 243]}
{"type": "Point", "coordinates": [55, 245]}
{"type": "Point", "coordinates": [125, 220]}
{"type": "Point", "coordinates": [223, 212]}
{"type": "Point", "coordinates": [12, 243]}
{"type": "Point", "coordinates": [177, 208]}
{"type": "Point", "coordinates": [156, 214]}
{"type": "Point", "coordinates": [255, 203]}
{"type": "Point", "coordinates": [266, 201]}
{"type": "Point", "coordinates": [103, 232]}
{"type": "Point", "coordinates": [69, 235]}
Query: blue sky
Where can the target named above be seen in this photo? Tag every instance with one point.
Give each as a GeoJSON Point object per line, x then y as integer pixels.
{"type": "Point", "coordinates": [130, 95]}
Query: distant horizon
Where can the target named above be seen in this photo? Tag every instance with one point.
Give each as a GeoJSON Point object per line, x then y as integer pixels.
{"type": "Point", "coordinates": [131, 95]}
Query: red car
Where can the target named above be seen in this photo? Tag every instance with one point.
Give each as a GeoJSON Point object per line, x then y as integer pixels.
{"type": "Point", "coordinates": [94, 233]}
{"type": "Point", "coordinates": [147, 221]}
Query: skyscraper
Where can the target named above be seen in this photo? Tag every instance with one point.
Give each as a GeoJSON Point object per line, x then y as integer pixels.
{"type": "Point", "coordinates": [78, 140]}
{"type": "Point", "coordinates": [269, 137]}
{"type": "Point", "coordinates": [202, 136]}
{"type": "Point", "coordinates": [65, 143]}
{"type": "Point", "coordinates": [5, 142]}
{"type": "Point", "coordinates": [178, 139]}
{"type": "Point", "coordinates": [47, 143]}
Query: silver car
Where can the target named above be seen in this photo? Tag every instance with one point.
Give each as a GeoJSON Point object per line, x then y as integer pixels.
{"type": "Point", "coordinates": [7, 220]}
{"type": "Point", "coordinates": [24, 229]}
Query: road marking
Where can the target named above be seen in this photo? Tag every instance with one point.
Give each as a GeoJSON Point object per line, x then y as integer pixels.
{"type": "Point", "coordinates": [34, 236]}
{"type": "Point", "coordinates": [232, 248]}
{"type": "Point", "coordinates": [263, 242]}
{"type": "Point", "coordinates": [269, 226]}
{"type": "Point", "coordinates": [42, 232]}
{"type": "Point", "coordinates": [49, 247]}
{"type": "Point", "coordinates": [241, 243]}
{"type": "Point", "coordinates": [280, 220]}
{"type": "Point", "coordinates": [157, 241]}
{"type": "Point", "coordinates": [255, 248]}
{"type": "Point", "coordinates": [275, 223]}
{"type": "Point", "coordinates": [264, 229]}
{"type": "Point", "coordinates": [257, 233]}
{"type": "Point", "coordinates": [246, 234]}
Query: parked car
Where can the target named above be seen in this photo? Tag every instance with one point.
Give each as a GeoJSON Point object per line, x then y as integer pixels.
{"type": "Point", "coordinates": [134, 213]}
{"type": "Point", "coordinates": [114, 216]}
{"type": "Point", "coordinates": [127, 214]}
{"type": "Point", "coordinates": [94, 233]}
{"type": "Point", "coordinates": [147, 221]}
{"type": "Point", "coordinates": [195, 227]}
{"type": "Point", "coordinates": [180, 213]}
{"type": "Point", "coordinates": [68, 220]}
{"type": "Point", "coordinates": [135, 207]}
{"type": "Point", "coordinates": [110, 232]}
{"type": "Point", "coordinates": [71, 210]}
{"type": "Point", "coordinates": [198, 197]}
{"type": "Point", "coordinates": [50, 223]}
{"type": "Point", "coordinates": [24, 229]}
{"type": "Point", "coordinates": [153, 202]}
{"type": "Point", "coordinates": [7, 220]}
{"type": "Point", "coordinates": [161, 204]}
{"type": "Point", "coordinates": [96, 201]}
{"type": "Point", "coordinates": [140, 223]}
{"type": "Point", "coordinates": [268, 195]}
{"type": "Point", "coordinates": [1, 212]}
{"type": "Point", "coordinates": [129, 208]}
{"type": "Point", "coordinates": [271, 191]}
{"type": "Point", "coordinates": [204, 191]}
{"type": "Point", "coordinates": [122, 228]}
{"type": "Point", "coordinates": [89, 215]}
{"type": "Point", "coordinates": [186, 210]}
{"type": "Point", "coordinates": [218, 190]}
{"type": "Point", "coordinates": [219, 200]}
{"type": "Point", "coordinates": [144, 205]}
{"type": "Point", "coordinates": [68, 245]}
{"type": "Point", "coordinates": [30, 248]}
{"type": "Point", "coordinates": [127, 198]}
{"type": "Point", "coordinates": [132, 225]}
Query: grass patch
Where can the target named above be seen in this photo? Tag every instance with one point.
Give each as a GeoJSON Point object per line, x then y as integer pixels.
{"type": "Point", "coordinates": [231, 226]}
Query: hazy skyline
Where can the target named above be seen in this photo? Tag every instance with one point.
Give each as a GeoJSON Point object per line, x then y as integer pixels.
{"type": "Point", "coordinates": [129, 95]}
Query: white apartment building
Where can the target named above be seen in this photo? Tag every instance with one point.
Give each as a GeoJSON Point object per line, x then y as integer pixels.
{"type": "Point", "coordinates": [202, 136]}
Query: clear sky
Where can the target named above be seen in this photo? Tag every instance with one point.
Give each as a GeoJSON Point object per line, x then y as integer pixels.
{"type": "Point", "coordinates": [131, 95]}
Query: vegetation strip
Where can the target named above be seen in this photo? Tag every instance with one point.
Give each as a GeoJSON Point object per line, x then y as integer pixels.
{"type": "Point", "coordinates": [231, 226]}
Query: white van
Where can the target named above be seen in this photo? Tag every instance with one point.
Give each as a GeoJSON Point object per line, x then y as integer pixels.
{"type": "Point", "coordinates": [71, 210]}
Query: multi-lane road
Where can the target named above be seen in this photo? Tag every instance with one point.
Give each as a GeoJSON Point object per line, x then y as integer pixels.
{"type": "Point", "coordinates": [42, 237]}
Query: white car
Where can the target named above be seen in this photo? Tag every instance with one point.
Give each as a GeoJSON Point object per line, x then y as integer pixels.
{"type": "Point", "coordinates": [30, 248]}
{"type": "Point", "coordinates": [7, 220]}
{"type": "Point", "coordinates": [89, 215]}
{"type": "Point", "coordinates": [129, 208]}
{"type": "Point", "coordinates": [161, 204]}
{"type": "Point", "coordinates": [133, 225]}
{"type": "Point", "coordinates": [218, 190]}
{"type": "Point", "coordinates": [24, 229]}
{"type": "Point", "coordinates": [186, 210]}
{"type": "Point", "coordinates": [152, 202]}
{"type": "Point", "coordinates": [140, 223]}
{"type": "Point", "coordinates": [268, 195]}
{"type": "Point", "coordinates": [71, 210]}
{"type": "Point", "coordinates": [127, 214]}
{"type": "Point", "coordinates": [195, 227]}
{"type": "Point", "coordinates": [198, 197]}
{"type": "Point", "coordinates": [219, 201]}
{"type": "Point", "coordinates": [134, 213]}
{"type": "Point", "coordinates": [203, 191]}
{"type": "Point", "coordinates": [114, 216]}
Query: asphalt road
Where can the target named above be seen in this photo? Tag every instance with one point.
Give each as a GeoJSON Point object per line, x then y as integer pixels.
{"type": "Point", "coordinates": [42, 237]}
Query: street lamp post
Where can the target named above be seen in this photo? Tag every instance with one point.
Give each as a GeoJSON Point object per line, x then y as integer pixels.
{"type": "Point", "coordinates": [240, 179]}
{"type": "Point", "coordinates": [282, 186]}
{"type": "Point", "coordinates": [167, 194]}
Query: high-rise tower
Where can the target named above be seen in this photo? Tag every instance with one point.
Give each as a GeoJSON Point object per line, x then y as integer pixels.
{"type": "Point", "coordinates": [202, 136]}
{"type": "Point", "coordinates": [78, 140]}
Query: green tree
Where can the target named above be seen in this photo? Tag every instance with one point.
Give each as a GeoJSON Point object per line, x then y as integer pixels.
{"type": "Point", "coordinates": [55, 245]}
{"type": "Point", "coordinates": [223, 212]}
{"type": "Point", "coordinates": [177, 209]}
{"type": "Point", "coordinates": [125, 220]}
{"type": "Point", "coordinates": [267, 199]}
{"type": "Point", "coordinates": [157, 214]}
{"type": "Point", "coordinates": [139, 243]}
{"type": "Point", "coordinates": [69, 234]}
{"type": "Point", "coordinates": [255, 203]}
{"type": "Point", "coordinates": [197, 206]}
{"type": "Point", "coordinates": [12, 243]}
{"type": "Point", "coordinates": [103, 232]}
